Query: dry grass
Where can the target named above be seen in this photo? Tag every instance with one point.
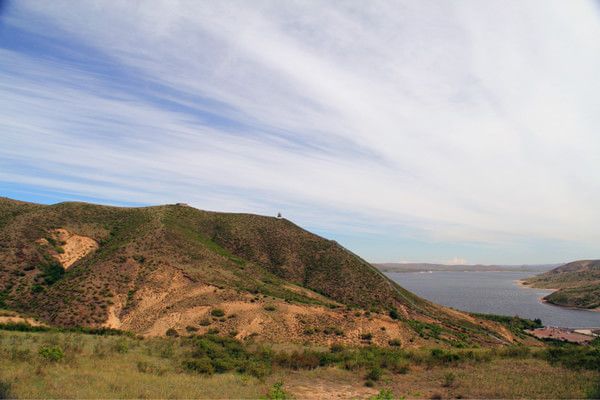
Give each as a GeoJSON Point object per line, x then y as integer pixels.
{"type": "Point", "coordinates": [123, 367]}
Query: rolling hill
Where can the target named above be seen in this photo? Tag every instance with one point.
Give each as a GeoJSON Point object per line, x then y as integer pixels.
{"type": "Point", "coordinates": [177, 269]}
{"type": "Point", "coordinates": [577, 284]}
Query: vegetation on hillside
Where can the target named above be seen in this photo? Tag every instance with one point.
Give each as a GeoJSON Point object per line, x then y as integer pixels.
{"type": "Point", "coordinates": [577, 284]}
{"type": "Point", "coordinates": [53, 365]}
{"type": "Point", "coordinates": [198, 260]}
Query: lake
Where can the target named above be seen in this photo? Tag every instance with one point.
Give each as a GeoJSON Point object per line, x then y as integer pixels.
{"type": "Point", "coordinates": [493, 293]}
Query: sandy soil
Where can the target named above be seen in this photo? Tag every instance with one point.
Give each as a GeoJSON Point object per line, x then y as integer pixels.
{"type": "Point", "coordinates": [18, 319]}
{"type": "Point", "coordinates": [74, 246]}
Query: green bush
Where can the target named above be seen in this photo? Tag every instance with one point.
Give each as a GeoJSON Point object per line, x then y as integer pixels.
{"type": "Point", "coordinates": [374, 374]}
{"type": "Point", "coordinates": [121, 346]}
{"type": "Point", "coordinates": [52, 272]}
{"type": "Point", "coordinates": [200, 365]}
{"type": "Point", "coordinates": [394, 314]}
{"type": "Point", "coordinates": [384, 394]}
{"type": "Point", "coordinates": [574, 357]}
{"type": "Point", "coordinates": [395, 342]}
{"type": "Point", "coordinates": [171, 332]}
{"type": "Point", "coordinates": [270, 308]}
{"type": "Point", "coordinates": [276, 392]}
{"type": "Point", "coordinates": [217, 312]}
{"type": "Point", "coordinates": [51, 353]}
{"type": "Point", "coordinates": [5, 390]}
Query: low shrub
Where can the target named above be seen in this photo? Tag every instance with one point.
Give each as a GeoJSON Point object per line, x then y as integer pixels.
{"type": "Point", "coordinates": [51, 353]}
{"type": "Point", "coordinates": [384, 394]}
{"type": "Point", "coordinates": [6, 390]}
{"type": "Point", "coordinates": [449, 379]}
{"type": "Point", "coordinates": [171, 332]}
{"type": "Point", "coordinates": [366, 336]}
{"type": "Point", "coordinates": [276, 392]}
{"type": "Point", "coordinates": [374, 374]}
{"type": "Point", "coordinates": [217, 312]}
{"type": "Point", "coordinates": [121, 346]}
{"type": "Point", "coordinates": [200, 365]}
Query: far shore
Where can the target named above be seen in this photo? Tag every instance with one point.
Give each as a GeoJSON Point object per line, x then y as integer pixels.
{"type": "Point", "coordinates": [542, 299]}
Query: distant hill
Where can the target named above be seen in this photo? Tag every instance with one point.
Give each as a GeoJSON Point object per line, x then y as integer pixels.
{"type": "Point", "coordinates": [420, 267]}
{"type": "Point", "coordinates": [153, 269]}
{"type": "Point", "coordinates": [577, 284]}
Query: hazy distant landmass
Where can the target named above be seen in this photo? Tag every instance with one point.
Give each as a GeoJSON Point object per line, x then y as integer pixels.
{"type": "Point", "coordinates": [424, 267]}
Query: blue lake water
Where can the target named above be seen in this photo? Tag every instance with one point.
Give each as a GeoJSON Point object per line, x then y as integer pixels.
{"type": "Point", "coordinates": [494, 293]}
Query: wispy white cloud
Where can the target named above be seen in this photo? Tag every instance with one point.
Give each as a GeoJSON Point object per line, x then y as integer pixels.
{"type": "Point", "coordinates": [463, 122]}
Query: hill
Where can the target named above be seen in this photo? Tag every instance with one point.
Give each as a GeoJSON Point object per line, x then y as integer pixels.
{"type": "Point", "coordinates": [177, 269]}
{"type": "Point", "coordinates": [577, 284]}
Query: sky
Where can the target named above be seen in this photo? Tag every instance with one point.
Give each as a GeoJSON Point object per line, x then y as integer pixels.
{"type": "Point", "coordinates": [424, 131]}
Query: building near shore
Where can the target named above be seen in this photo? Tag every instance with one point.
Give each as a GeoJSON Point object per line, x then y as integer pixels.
{"type": "Point", "coordinates": [562, 334]}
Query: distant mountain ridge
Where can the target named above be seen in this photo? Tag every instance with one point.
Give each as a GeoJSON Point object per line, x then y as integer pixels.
{"type": "Point", "coordinates": [418, 267]}
{"type": "Point", "coordinates": [577, 284]}
{"type": "Point", "coordinates": [151, 269]}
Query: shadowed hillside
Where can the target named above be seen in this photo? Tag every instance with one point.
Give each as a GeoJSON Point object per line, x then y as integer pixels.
{"type": "Point", "coordinates": [173, 267]}
{"type": "Point", "coordinates": [577, 284]}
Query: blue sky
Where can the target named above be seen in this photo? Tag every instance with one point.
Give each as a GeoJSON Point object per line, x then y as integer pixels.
{"type": "Point", "coordinates": [462, 131]}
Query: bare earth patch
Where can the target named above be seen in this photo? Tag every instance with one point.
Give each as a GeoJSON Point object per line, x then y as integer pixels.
{"type": "Point", "coordinates": [71, 247]}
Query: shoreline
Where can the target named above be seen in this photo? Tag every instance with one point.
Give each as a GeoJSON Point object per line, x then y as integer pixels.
{"type": "Point", "coordinates": [521, 283]}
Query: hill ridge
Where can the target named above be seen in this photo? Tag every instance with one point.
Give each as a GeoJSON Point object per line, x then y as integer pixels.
{"type": "Point", "coordinates": [160, 267]}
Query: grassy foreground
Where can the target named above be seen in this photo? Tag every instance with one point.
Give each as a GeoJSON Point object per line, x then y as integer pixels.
{"type": "Point", "coordinates": [80, 365]}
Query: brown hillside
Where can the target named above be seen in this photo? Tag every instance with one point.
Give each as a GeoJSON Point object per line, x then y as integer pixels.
{"type": "Point", "coordinates": [154, 268]}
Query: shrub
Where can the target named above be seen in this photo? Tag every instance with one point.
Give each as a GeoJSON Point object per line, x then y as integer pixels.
{"type": "Point", "coordinates": [205, 322]}
{"type": "Point", "coordinates": [191, 329]}
{"type": "Point", "coordinates": [399, 366]}
{"type": "Point", "coordinates": [147, 368]}
{"type": "Point", "coordinates": [395, 342]}
{"type": "Point", "coordinates": [217, 312]}
{"type": "Point", "coordinates": [172, 332]}
{"type": "Point", "coordinates": [449, 379]}
{"type": "Point", "coordinates": [366, 336]}
{"type": "Point", "coordinates": [369, 383]}
{"type": "Point", "coordinates": [394, 314]}
{"type": "Point", "coordinates": [374, 374]}
{"type": "Point", "coordinates": [51, 353]}
{"type": "Point", "coordinates": [384, 394]}
{"type": "Point", "coordinates": [37, 288]}
{"type": "Point", "coordinates": [276, 392]}
{"type": "Point", "coordinates": [5, 390]}
{"type": "Point", "coordinates": [336, 348]}
{"type": "Point", "coordinates": [333, 330]}
{"type": "Point", "coordinates": [121, 346]}
{"type": "Point", "coordinates": [441, 356]}
{"type": "Point", "coordinates": [201, 366]}
{"type": "Point", "coordinates": [270, 308]}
